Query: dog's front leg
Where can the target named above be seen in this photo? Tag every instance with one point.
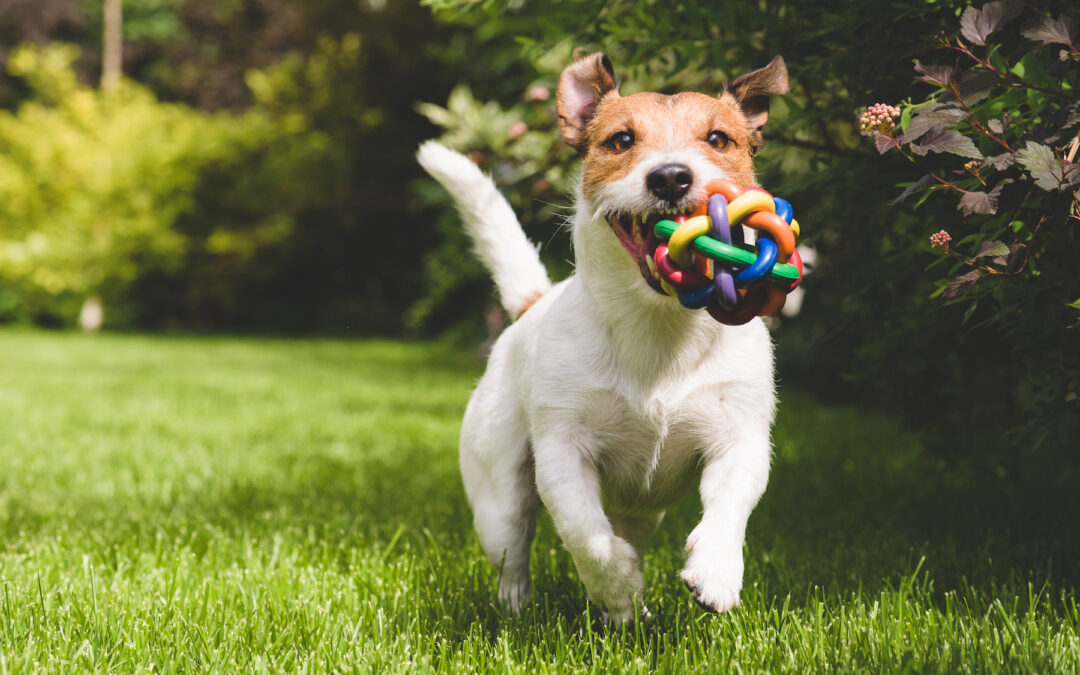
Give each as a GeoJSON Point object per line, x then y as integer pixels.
{"type": "Point", "coordinates": [569, 486]}
{"type": "Point", "coordinates": [732, 481]}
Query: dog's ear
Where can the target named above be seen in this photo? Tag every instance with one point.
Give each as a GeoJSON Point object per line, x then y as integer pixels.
{"type": "Point", "coordinates": [581, 86]}
{"type": "Point", "coordinates": [752, 91]}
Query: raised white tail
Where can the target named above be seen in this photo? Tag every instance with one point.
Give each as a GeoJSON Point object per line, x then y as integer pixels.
{"type": "Point", "coordinates": [500, 242]}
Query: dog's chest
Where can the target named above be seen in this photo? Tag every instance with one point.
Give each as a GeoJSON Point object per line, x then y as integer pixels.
{"type": "Point", "coordinates": [646, 445]}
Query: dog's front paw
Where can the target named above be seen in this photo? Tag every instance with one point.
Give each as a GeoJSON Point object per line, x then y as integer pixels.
{"type": "Point", "coordinates": [612, 576]}
{"type": "Point", "coordinates": [713, 574]}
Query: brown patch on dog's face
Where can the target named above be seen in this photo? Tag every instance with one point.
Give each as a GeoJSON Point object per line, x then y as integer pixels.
{"type": "Point", "coordinates": [627, 130]}
{"type": "Point", "coordinates": [648, 156]}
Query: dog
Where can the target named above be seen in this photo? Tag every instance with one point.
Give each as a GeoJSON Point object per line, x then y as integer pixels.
{"type": "Point", "coordinates": [606, 399]}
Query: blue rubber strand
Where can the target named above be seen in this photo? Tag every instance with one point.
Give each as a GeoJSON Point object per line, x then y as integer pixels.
{"type": "Point", "coordinates": [783, 209]}
{"type": "Point", "coordinates": [767, 253]}
{"type": "Point", "coordinates": [697, 299]}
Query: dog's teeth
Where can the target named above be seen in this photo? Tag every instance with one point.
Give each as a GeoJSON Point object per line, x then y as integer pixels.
{"type": "Point", "coordinates": [651, 265]}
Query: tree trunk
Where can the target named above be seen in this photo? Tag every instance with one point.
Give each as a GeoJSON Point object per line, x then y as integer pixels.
{"type": "Point", "coordinates": [112, 57]}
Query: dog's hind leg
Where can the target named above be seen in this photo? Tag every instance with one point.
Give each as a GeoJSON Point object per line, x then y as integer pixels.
{"type": "Point", "coordinates": [497, 470]}
{"type": "Point", "coordinates": [638, 529]}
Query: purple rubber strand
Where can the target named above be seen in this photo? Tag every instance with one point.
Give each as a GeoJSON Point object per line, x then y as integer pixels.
{"type": "Point", "coordinates": [724, 279]}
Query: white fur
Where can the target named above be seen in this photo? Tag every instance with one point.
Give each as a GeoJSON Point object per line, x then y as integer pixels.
{"type": "Point", "coordinates": [500, 241]}
{"type": "Point", "coordinates": [604, 402]}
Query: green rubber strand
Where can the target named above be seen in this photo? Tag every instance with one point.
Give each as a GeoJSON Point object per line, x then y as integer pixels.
{"type": "Point", "coordinates": [784, 273]}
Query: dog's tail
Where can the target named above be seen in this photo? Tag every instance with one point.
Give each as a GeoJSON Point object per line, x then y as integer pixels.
{"type": "Point", "coordinates": [500, 242]}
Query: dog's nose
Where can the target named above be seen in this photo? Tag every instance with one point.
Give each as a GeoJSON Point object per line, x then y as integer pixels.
{"type": "Point", "coordinates": [669, 181]}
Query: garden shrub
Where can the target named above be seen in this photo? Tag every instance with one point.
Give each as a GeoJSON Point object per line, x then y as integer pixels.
{"type": "Point", "coordinates": [986, 384]}
{"type": "Point", "coordinates": [1000, 131]}
{"type": "Point", "coordinates": [95, 188]}
{"type": "Point", "coordinates": [262, 216]}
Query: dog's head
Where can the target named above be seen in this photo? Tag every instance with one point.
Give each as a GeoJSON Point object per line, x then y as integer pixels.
{"type": "Point", "coordinates": [648, 156]}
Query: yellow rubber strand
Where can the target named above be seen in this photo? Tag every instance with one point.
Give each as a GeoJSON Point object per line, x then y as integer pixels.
{"type": "Point", "coordinates": [751, 200]}
{"type": "Point", "coordinates": [679, 243]}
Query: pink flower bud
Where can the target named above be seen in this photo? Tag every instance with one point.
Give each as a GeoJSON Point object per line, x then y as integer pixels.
{"type": "Point", "coordinates": [537, 93]}
{"type": "Point", "coordinates": [940, 239]}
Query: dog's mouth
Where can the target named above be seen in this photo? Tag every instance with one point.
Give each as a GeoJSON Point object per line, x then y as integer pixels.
{"type": "Point", "coordinates": [635, 233]}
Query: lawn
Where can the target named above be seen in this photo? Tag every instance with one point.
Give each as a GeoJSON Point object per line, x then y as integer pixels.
{"type": "Point", "coordinates": [191, 504]}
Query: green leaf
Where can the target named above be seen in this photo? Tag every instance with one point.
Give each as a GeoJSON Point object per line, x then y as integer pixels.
{"type": "Point", "coordinates": [905, 117]}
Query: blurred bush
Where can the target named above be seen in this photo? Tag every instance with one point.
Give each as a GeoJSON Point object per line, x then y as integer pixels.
{"type": "Point", "coordinates": [282, 203]}
{"type": "Point", "coordinates": [103, 193]}
{"type": "Point", "coordinates": [257, 173]}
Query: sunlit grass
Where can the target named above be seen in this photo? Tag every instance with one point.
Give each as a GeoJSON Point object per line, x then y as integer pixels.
{"type": "Point", "coordinates": [235, 504]}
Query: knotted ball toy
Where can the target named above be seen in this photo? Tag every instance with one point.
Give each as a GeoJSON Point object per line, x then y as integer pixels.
{"type": "Point", "coordinates": [705, 263]}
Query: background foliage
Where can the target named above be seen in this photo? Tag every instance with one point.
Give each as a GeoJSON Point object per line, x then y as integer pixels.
{"type": "Point", "coordinates": [235, 181]}
{"type": "Point", "coordinates": [255, 172]}
{"type": "Point", "coordinates": [1006, 100]}
{"type": "Point", "coordinates": [991, 379]}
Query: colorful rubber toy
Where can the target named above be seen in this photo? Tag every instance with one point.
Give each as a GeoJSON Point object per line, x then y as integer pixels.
{"type": "Point", "coordinates": [731, 280]}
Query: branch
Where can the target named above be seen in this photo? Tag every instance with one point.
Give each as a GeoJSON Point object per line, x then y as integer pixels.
{"type": "Point", "coordinates": [1073, 147]}
{"type": "Point", "coordinates": [944, 183]}
{"type": "Point", "coordinates": [971, 263]}
{"type": "Point", "coordinates": [971, 118]}
{"type": "Point", "coordinates": [819, 147]}
{"type": "Point", "coordinates": [1013, 80]}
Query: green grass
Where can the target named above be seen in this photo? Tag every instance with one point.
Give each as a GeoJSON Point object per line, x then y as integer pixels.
{"type": "Point", "coordinates": [242, 504]}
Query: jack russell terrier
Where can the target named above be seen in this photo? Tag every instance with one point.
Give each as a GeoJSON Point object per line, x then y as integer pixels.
{"type": "Point", "coordinates": [606, 399]}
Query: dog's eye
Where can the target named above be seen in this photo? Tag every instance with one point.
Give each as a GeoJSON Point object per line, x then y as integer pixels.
{"type": "Point", "coordinates": [621, 141]}
{"type": "Point", "coordinates": [718, 139]}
